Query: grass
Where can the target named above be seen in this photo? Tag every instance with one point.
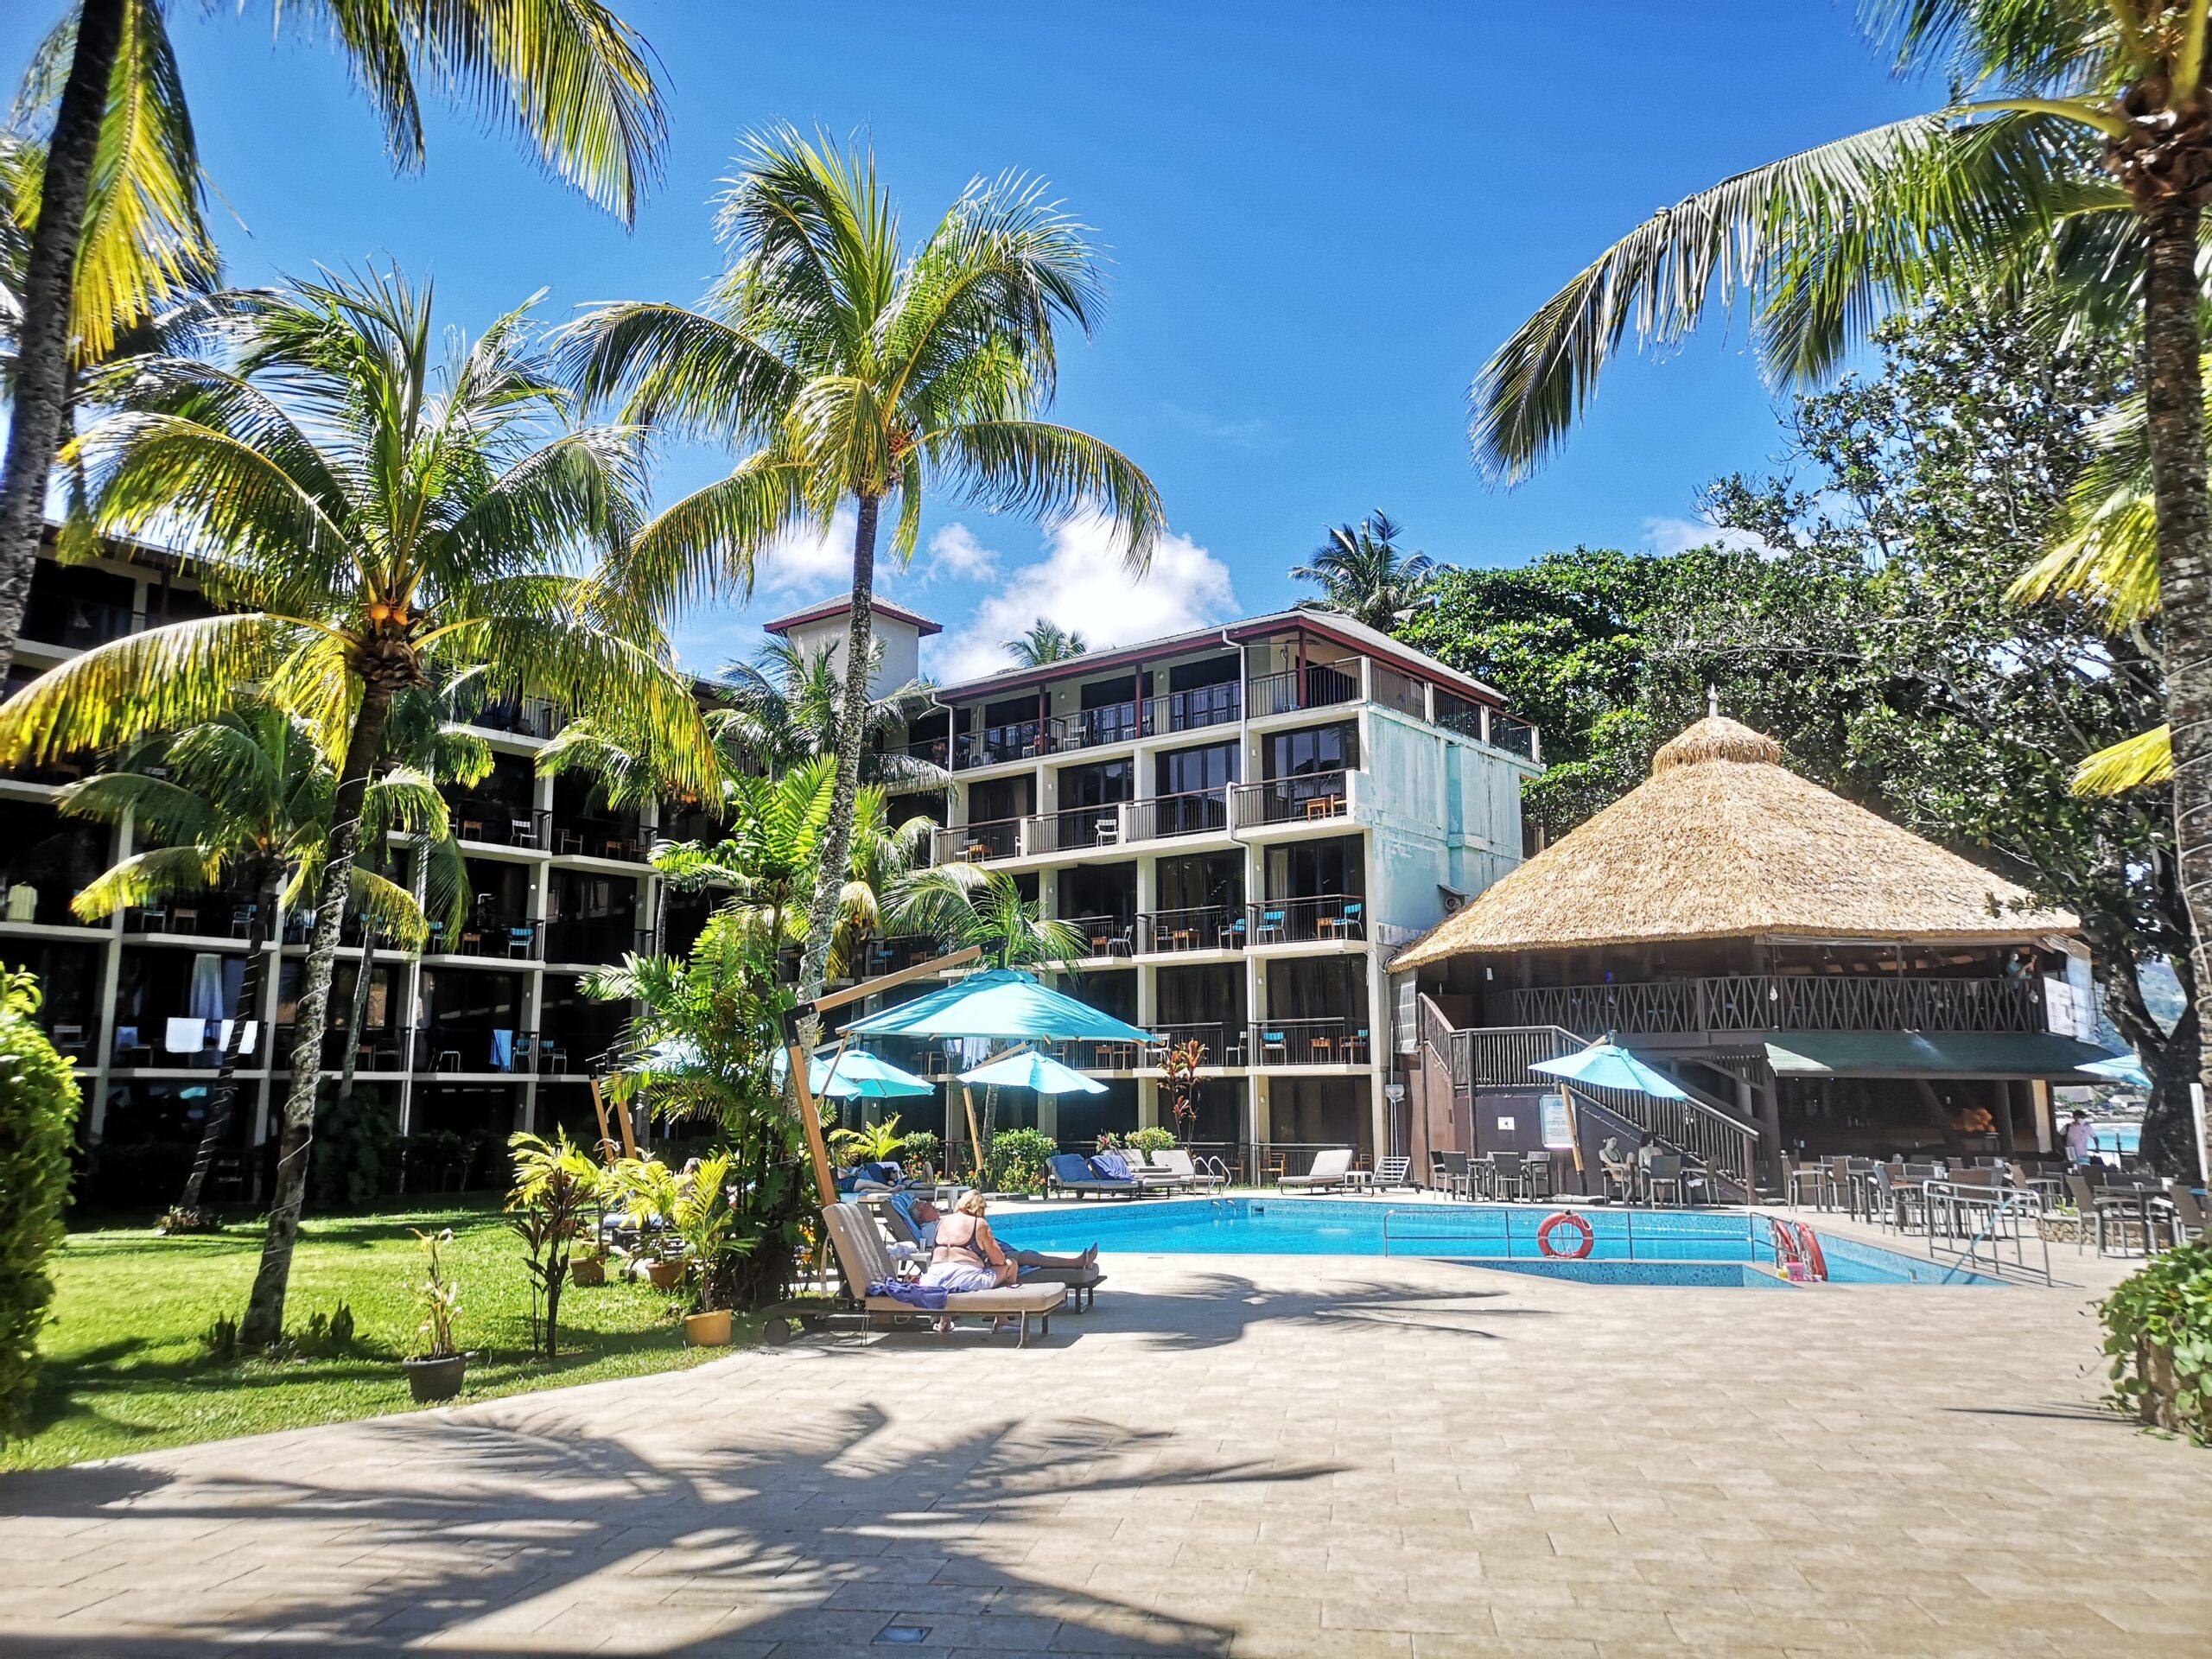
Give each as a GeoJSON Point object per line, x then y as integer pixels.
{"type": "Point", "coordinates": [127, 1367]}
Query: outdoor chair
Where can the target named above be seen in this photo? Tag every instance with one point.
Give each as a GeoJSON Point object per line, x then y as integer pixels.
{"type": "Point", "coordinates": [1664, 1172]}
{"type": "Point", "coordinates": [2126, 1210]}
{"type": "Point", "coordinates": [2188, 1213]}
{"type": "Point", "coordinates": [1276, 1043]}
{"type": "Point", "coordinates": [1331, 1168]}
{"type": "Point", "coordinates": [1619, 1173]}
{"type": "Point", "coordinates": [1274, 925]}
{"type": "Point", "coordinates": [1508, 1176]}
{"type": "Point", "coordinates": [1156, 1178]}
{"type": "Point", "coordinates": [1799, 1176]}
{"type": "Point", "coordinates": [1068, 1173]}
{"type": "Point", "coordinates": [895, 1211]}
{"type": "Point", "coordinates": [864, 1263]}
{"type": "Point", "coordinates": [1391, 1173]}
{"type": "Point", "coordinates": [1538, 1168]}
{"type": "Point", "coordinates": [1437, 1178]}
{"type": "Point", "coordinates": [1231, 935]}
{"type": "Point", "coordinates": [1459, 1180]}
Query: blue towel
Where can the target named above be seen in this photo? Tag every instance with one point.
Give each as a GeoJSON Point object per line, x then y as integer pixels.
{"type": "Point", "coordinates": [1113, 1167]}
{"type": "Point", "coordinates": [906, 1291]}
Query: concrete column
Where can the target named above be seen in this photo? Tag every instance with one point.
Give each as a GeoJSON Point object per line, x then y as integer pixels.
{"type": "Point", "coordinates": [110, 977]}
{"type": "Point", "coordinates": [1770, 1131]}
{"type": "Point", "coordinates": [2002, 1088]}
{"type": "Point", "coordinates": [2039, 1108]}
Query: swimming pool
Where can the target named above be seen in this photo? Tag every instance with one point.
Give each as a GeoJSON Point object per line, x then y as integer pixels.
{"type": "Point", "coordinates": [1627, 1246]}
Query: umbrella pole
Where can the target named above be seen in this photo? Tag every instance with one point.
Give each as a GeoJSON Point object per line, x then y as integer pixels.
{"type": "Point", "coordinates": [825, 1180]}
{"type": "Point", "coordinates": [974, 1135]}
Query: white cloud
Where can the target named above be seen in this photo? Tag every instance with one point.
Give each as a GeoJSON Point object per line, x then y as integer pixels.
{"type": "Point", "coordinates": [1080, 584]}
{"type": "Point", "coordinates": [1670, 536]}
{"type": "Point", "coordinates": [809, 561]}
{"type": "Point", "coordinates": [955, 553]}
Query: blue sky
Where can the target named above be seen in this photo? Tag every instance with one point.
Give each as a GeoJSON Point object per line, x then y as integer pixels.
{"type": "Point", "coordinates": [1321, 219]}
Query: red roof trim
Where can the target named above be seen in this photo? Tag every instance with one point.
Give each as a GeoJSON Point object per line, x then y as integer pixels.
{"type": "Point", "coordinates": [842, 603]}
{"type": "Point", "coordinates": [1418, 668]}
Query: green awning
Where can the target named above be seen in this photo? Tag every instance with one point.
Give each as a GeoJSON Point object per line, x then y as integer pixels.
{"type": "Point", "coordinates": [1930, 1054]}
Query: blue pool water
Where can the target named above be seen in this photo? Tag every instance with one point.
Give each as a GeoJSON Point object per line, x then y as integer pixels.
{"type": "Point", "coordinates": [1627, 1246]}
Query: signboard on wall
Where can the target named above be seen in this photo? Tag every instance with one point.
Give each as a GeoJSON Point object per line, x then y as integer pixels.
{"type": "Point", "coordinates": [2064, 1012]}
{"type": "Point", "coordinates": [1559, 1124]}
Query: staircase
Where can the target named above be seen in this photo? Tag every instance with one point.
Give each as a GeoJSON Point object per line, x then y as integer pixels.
{"type": "Point", "coordinates": [1707, 1135]}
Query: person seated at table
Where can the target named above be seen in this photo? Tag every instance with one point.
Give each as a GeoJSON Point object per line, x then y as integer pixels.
{"type": "Point", "coordinates": [965, 1253]}
{"type": "Point", "coordinates": [1619, 1172]}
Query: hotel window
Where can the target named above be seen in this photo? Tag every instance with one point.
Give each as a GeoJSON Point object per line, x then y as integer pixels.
{"type": "Point", "coordinates": [1317, 748]}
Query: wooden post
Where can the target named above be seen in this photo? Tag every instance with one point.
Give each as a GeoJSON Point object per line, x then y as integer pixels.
{"type": "Point", "coordinates": [605, 1138]}
{"type": "Point", "coordinates": [975, 1136]}
{"type": "Point", "coordinates": [825, 1178]}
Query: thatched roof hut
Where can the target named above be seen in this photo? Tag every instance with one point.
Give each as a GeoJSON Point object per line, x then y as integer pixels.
{"type": "Point", "coordinates": [1724, 842]}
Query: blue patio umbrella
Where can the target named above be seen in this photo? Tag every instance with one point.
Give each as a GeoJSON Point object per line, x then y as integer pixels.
{"type": "Point", "coordinates": [1608, 1066]}
{"type": "Point", "coordinates": [1031, 1070]}
{"type": "Point", "coordinates": [858, 1075]}
{"type": "Point", "coordinates": [1003, 1002]}
{"type": "Point", "coordinates": [2118, 1068]}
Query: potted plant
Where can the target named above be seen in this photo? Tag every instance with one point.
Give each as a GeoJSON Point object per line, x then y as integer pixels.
{"type": "Point", "coordinates": [436, 1374]}
{"type": "Point", "coordinates": [557, 1190]}
{"type": "Point", "coordinates": [650, 1191]}
{"type": "Point", "coordinates": [702, 1216]}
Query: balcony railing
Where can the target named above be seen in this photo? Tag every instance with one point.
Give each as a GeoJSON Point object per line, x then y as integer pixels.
{"type": "Point", "coordinates": [890, 955]}
{"type": "Point", "coordinates": [181, 1040]}
{"type": "Point", "coordinates": [1193, 710]}
{"type": "Point", "coordinates": [1514, 736]}
{"type": "Point", "coordinates": [619, 838]}
{"type": "Point", "coordinates": [994, 744]}
{"type": "Point", "coordinates": [1320, 686]}
{"type": "Point", "coordinates": [1310, 797]}
{"type": "Point", "coordinates": [1092, 728]}
{"type": "Point", "coordinates": [495, 823]}
{"type": "Point", "coordinates": [204, 916]}
{"type": "Point", "coordinates": [1776, 1002]}
{"type": "Point", "coordinates": [1109, 935]}
{"type": "Point", "coordinates": [524, 716]}
{"type": "Point", "coordinates": [972, 844]}
{"type": "Point", "coordinates": [1073, 828]}
{"type": "Point", "coordinates": [595, 940]}
{"type": "Point", "coordinates": [493, 1049]}
{"type": "Point", "coordinates": [513, 939]}
{"type": "Point", "coordinates": [1309, 1042]}
{"type": "Point", "coordinates": [1223, 1040]}
{"type": "Point", "coordinates": [1196, 812]}
{"type": "Point", "coordinates": [1302, 921]}
{"type": "Point", "coordinates": [1197, 927]}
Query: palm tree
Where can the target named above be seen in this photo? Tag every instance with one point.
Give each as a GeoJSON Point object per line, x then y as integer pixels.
{"type": "Point", "coordinates": [785, 704]}
{"type": "Point", "coordinates": [1361, 572]}
{"type": "Point", "coordinates": [1046, 642]}
{"type": "Point", "coordinates": [119, 184]}
{"type": "Point", "coordinates": [374, 520]}
{"type": "Point", "coordinates": [241, 802]}
{"type": "Point", "coordinates": [2090, 166]}
{"type": "Point", "coordinates": [960, 904]}
{"type": "Point", "coordinates": [855, 372]}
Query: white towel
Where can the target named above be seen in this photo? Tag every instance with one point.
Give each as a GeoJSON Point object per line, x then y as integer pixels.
{"type": "Point", "coordinates": [223, 1041]}
{"type": "Point", "coordinates": [186, 1036]}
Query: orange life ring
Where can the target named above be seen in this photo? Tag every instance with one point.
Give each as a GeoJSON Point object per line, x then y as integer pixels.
{"type": "Point", "coordinates": [1566, 1217]}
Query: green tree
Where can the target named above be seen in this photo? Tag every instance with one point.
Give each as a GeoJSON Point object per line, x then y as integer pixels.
{"type": "Point", "coordinates": [785, 704]}
{"type": "Point", "coordinates": [241, 802]}
{"type": "Point", "coordinates": [1361, 572]}
{"type": "Point", "coordinates": [1046, 642]}
{"type": "Point", "coordinates": [853, 373]}
{"type": "Point", "coordinates": [112, 228]}
{"type": "Point", "coordinates": [38, 1117]}
{"type": "Point", "coordinates": [372, 519]}
{"type": "Point", "coordinates": [2091, 166]}
{"type": "Point", "coordinates": [960, 904]}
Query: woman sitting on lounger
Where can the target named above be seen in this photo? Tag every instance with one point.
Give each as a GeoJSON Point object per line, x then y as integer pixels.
{"type": "Point", "coordinates": [967, 1257]}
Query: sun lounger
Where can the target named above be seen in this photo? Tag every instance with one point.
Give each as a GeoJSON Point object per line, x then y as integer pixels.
{"type": "Point", "coordinates": [1108, 1166]}
{"type": "Point", "coordinates": [1084, 1281]}
{"type": "Point", "coordinates": [1178, 1162]}
{"type": "Point", "coordinates": [1071, 1175]}
{"type": "Point", "coordinates": [864, 1261]}
{"type": "Point", "coordinates": [1331, 1168]}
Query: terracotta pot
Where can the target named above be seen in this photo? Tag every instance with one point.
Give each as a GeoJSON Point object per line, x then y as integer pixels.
{"type": "Point", "coordinates": [432, 1380]}
{"type": "Point", "coordinates": [707, 1330]}
{"type": "Point", "coordinates": [665, 1275]}
{"type": "Point", "coordinates": [587, 1270]}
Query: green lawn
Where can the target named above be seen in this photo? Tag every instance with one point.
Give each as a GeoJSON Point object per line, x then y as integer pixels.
{"type": "Point", "coordinates": [127, 1369]}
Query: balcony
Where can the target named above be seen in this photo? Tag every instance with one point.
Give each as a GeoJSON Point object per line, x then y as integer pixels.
{"type": "Point", "coordinates": [1117, 722]}
{"type": "Point", "coordinates": [204, 916]}
{"type": "Point", "coordinates": [995, 745]}
{"type": "Point", "coordinates": [1199, 927]}
{"type": "Point", "coordinates": [1109, 935]}
{"type": "Point", "coordinates": [1223, 1040]}
{"type": "Point", "coordinates": [1311, 798]}
{"type": "Point", "coordinates": [1308, 1042]}
{"type": "Point", "coordinates": [73, 623]}
{"type": "Point", "coordinates": [1748, 1002]}
{"type": "Point", "coordinates": [1326, 918]}
{"type": "Point", "coordinates": [975, 843]}
{"type": "Point", "coordinates": [595, 940]}
{"type": "Point", "coordinates": [1197, 812]}
{"type": "Point", "coordinates": [585, 837]}
{"type": "Point", "coordinates": [1318, 686]}
{"type": "Point", "coordinates": [509, 938]}
{"type": "Point", "coordinates": [1072, 830]}
{"type": "Point", "coordinates": [523, 716]}
{"type": "Point", "coordinates": [183, 1041]}
{"type": "Point", "coordinates": [494, 823]}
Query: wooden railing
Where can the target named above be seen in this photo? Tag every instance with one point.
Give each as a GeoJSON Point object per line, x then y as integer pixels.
{"type": "Point", "coordinates": [1777, 1003]}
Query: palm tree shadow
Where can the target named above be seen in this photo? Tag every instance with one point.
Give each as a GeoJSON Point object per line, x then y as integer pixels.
{"type": "Point", "coordinates": [487, 1529]}
{"type": "Point", "coordinates": [1211, 1309]}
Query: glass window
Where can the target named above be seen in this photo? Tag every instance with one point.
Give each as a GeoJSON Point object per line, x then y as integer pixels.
{"type": "Point", "coordinates": [1318, 748]}
{"type": "Point", "coordinates": [1186, 770]}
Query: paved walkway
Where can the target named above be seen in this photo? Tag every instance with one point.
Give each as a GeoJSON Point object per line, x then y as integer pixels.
{"type": "Point", "coordinates": [1245, 1456]}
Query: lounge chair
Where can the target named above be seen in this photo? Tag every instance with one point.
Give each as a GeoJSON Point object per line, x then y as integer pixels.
{"type": "Point", "coordinates": [1331, 1168]}
{"type": "Point", "coordinates": [907, 1241]}
{"type": "Point", "coordinates": [1153, 1179]}
{"type": "Point", "coordinates": [1178, 1163]}
{"type": "Point", "coordinates": [863, 1260]}
{"type": "Point", "coordinates": [1072, 1175]}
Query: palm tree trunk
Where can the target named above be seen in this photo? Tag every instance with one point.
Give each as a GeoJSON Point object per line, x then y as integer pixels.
{"type": "Point", "coordinates": [359, 1014]}
{"type": "Point", "coordinates": [852, 727]}
{"type": "Point", "coordinates": [264, 1313]}
{"type": "Point", "coordinates": [222, 1098]}
{"type": "Point", "coordinates": [42, 388]}
{"type": "Point", "coordinates": [2174, 399]}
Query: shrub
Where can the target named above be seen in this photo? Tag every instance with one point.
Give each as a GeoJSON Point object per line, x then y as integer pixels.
{"type": "Point", "coordinates": [1152, 1140]}
{"type": "Point", "coordinates": [1017, 1160]}
{"type": "Point", "coordinates": [38, 1118]}
{"type": "Point", "coordinates": [351, 1139]}
{"type": "Point", "coordinates": [2158, 1335]}
{"type": "Point", "coordinates": [922, 1149]}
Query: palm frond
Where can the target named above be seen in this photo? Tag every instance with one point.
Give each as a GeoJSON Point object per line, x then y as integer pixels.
{"type": "Point", "coordinates": [2147, 758]}
{"type": "Point", "coordinates": [148, 878]}
{"type": "Point", "coordinates": [1049, 470]}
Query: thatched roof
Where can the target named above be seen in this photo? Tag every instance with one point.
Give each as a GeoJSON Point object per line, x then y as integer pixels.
{"type": "Point", "coordinates": [1724, 842]}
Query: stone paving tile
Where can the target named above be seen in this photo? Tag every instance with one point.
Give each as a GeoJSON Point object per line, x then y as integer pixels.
{"type": "Point", "coordinates": [1248, 1456]}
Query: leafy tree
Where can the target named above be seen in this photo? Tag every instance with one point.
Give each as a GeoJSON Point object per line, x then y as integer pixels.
{"type": "Point", "coordinates": [1047, 642]}
{"type": "Point", "coordinates": [108, 222]}
{"type": "Point", "coordinates": [960, 904]}
{"type": "Point", "coordinates": [1361, 572]}
{"type": "Point", "coordinates": [857, 372]}
{"type": "Point", "coordinates": [2091, 167]}
{"type": "Point", "coordinates": [785, 708]}
{"type": "Point", "coordinates": [372, 520]}
{"type": "Point", "coordinates": [556, 1189]}
{"type": "Point", "coordinates": [241, 801]}
{"type": "Point", "coordinates": [38, 1117]}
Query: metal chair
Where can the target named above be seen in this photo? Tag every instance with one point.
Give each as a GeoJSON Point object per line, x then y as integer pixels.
{"type": "Point", "coordinates": [1274, 924]}
{"type": "Point", "coordinates": [1664, 1170]}
{"type": "Point", "coordinates": [1537, 1168]}
{"type": "Point", "coordinates": [1278, 1042]}
{"type": "Point", "coordinates": [1507, 1175]}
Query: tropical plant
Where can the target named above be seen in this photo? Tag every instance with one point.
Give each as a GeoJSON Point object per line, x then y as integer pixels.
{"type": "Point", "coordinates": [373, 521]}
{"type": "Point", "coordinates": [960, 904]}
{"type": "Point", "coordinates": [2088, 169]}
{"type": "Point", "coordinates": [921, 1148]}
{"type": "Point", "coordinates": [38, 1119]}
{"type": "Point", "coordinates": [1361, 572]}
{"type": "Point", "coordinates": [437, 1298]}
{"type": "Point", "coordinates": [1156, 1138]}
{"type": "Point", "coordinates": [701, 1046]}
{"type": "Point", "coordinates": [1046, 641]}
{"type": "Point", "coordinates": [1015, 1159]}
{"type": "Point", "coordinates": [1179, 1080]}
{"type": "Point", "coordinates": [710, 1227]}
{"type": "Point", "coordinates": [856, 372]}
{"type": "Point", "coordinates": [241, 803]}
{"type": "Point", "coordinates": [2158, 1340]}
{"type": "Point", "coordinates": [785, 706]}
{"type": "Point", "coordinates": [871, 1143]}
{"type": "Point", "coordinates": [557, 1190]}
{"type": "Point", "coordinates": [117, 229]}
{"type": "Point", "coordinates": [353, 1137]}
